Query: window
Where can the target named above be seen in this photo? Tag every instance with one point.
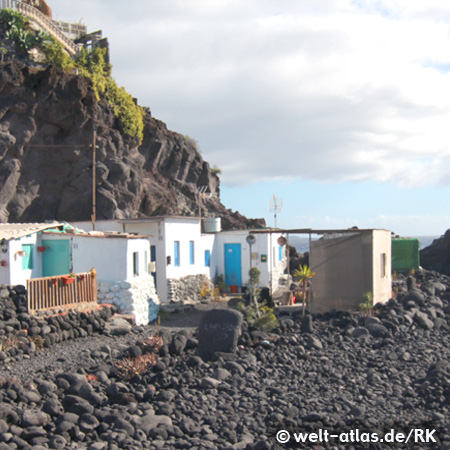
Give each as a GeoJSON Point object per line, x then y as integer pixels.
{"type": "Point", "coordinates": [135, 264]}
{"type": "Point", "coordinates": [176, 252]}
{"type": "Point", "coordinates": [146, 261]}
{"type": "Point", "coordinates": [383, 265]}
{"type": "Point", "coordinates": [27, 257]}
{"type": "Point", "coordinates": [207, 258]}
{"type": "Point", "coordinates": [280, 252]}
{"type": "Point", "coordinates": [191, 252]}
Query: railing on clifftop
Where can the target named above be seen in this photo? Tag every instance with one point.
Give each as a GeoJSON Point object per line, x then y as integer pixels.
{"type": "Point", "coordinates": [61, 291]}
{"type": "Point", "coordinates": [43, 22]}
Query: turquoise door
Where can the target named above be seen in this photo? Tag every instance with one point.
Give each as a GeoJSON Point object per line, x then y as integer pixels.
{"type": "Point", "coordinates": [56, 257]}
{"type": "Point", "coordinates": [233, 265]}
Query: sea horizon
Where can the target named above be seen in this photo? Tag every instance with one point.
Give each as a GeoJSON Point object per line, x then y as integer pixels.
{"type": "Point", "coordinates": [302, 243]}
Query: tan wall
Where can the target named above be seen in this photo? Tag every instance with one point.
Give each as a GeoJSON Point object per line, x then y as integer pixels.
{"type": "Point", "coordinates": [349, 266]}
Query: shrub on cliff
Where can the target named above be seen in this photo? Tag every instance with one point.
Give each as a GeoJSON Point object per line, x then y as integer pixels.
{"type": "Point", "coordinates": [131, 116]}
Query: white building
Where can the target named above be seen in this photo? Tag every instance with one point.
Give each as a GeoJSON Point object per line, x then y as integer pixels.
{"type": "Point", "coordinates": [180, 250]}
{"type": "Point", "coordinates": [20, 258]}
{"type": "Point", "coordinates": [30, 251]}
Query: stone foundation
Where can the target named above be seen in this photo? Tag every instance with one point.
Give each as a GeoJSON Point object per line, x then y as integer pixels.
{"type": "Point", "coordinates": [137, 297]}
{"type": "Point", "coordinates": [187, 289]}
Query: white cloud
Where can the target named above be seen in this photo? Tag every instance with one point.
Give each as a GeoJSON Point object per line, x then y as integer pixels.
{"type": "Point", "coordinates": [330, 91]}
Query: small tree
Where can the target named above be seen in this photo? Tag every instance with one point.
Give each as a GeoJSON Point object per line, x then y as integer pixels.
{"type": "Point", "coordinates": [254, 274]}
{"type": "Point", "coordinates": [304, 274]}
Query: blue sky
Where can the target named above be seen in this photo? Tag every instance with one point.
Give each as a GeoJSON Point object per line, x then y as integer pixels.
{"type": "Point", "coordinates": [338, 107]}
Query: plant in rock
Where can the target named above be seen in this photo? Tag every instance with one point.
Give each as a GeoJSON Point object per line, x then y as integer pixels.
{"type": "Point", "coordinates": [152, 344]}
{"type": "Point", "coordinates": [205, 290]}
{"type": "Point", "coordinates": [38, 342]}
{"type": "Point", "coordinates": [220, 283]}
{"type": "Point", "coordinates": [367, 304]}
{"type": "Point", "coordinates": [261, 317]}
{"type": "Point", "coordinates": [55, 55]}
{"type": "Point", "coordinates": [304, 274]}
{"type": "Point", "coordinates": [128, 368]}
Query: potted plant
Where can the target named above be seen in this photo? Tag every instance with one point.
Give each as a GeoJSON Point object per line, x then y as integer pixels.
{"type": "Point", "coordinates": [68, 279]}
{"type": "Point", "coordinates": [234, 287]}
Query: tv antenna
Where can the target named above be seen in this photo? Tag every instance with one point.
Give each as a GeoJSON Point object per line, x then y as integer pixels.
{"type": "Point", "coordinates": [276, 206]}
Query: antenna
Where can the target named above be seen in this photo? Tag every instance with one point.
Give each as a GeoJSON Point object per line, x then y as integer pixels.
{"type": "Point", "coordinates": [275, 207]}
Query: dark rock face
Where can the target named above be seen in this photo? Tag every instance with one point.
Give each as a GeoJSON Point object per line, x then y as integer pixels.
{"type": "Point", "coordinates": [437, 255]}
{"type": "Point", "coordinates": [47, 121]}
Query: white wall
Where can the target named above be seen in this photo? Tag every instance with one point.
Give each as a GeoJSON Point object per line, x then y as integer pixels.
{"type": "Point", "coordinates": [141, 247]}
{"type": "Point", "coordinates": [382, 266]}
{"type": "Point", "coordinates": [112, 257]}
{"type": "Point", "coordinates": [15, 273]}
{"type": "Point", "coordinates": [265, 244]}
{"type": "Point", "coordinates": [107, 255]}
{"type": "Point", "coordinates": [184, 231]}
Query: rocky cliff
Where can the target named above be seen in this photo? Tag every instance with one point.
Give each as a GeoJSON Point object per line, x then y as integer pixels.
{"type": "Point", "coordinates": [47, 122]}
{"type": "Point", "coordinates": [437, 255]}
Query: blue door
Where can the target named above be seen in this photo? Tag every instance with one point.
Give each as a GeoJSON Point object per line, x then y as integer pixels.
{"type": "Point", "coordinates": [56, 257]}
{"type": "Point", "coordinates": [233, 265]}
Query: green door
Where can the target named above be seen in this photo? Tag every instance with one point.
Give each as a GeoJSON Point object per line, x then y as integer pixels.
{"type": "Point", "coordinates": [56, 257]}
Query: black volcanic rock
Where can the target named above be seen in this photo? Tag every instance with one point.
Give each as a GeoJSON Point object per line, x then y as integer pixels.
{"type": "Point", "coordinates": [437, 255]}
{"type": "Point", "coordinates": [47, 120]}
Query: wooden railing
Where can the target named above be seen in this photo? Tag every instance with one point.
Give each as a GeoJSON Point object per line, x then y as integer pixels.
{"type": "Point", "coordinates": [43, 22]}
{"type": "Point", "coordinates": [61, 291]}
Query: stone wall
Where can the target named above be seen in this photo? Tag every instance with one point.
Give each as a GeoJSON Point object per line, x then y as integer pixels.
{"type": "Point", "coordinates": [277, 277]}
{"type": "Point", "coordinates": [187, 289]}
{"type": "Point", "coordinates": [137, 297]}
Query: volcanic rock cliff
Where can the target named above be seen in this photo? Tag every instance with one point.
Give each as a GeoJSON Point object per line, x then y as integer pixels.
{"type": "Point", "coordinates": [437, 255]}
{"type": "Point", "coordinates": [47, 122]}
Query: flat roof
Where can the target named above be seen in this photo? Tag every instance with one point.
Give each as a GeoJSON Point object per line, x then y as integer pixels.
{"type": "Point", "coordinates": [317, 231]}
{"type": "Point", "coordinates": [99, 234]}
{"type": "Point", "coordinates": [157, 218]}
{"type": "Point", "coordinates": [10, 231]}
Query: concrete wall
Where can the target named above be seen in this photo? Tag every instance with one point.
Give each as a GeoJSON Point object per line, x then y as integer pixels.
{"type": "Point", "coordinates": [349, 266]}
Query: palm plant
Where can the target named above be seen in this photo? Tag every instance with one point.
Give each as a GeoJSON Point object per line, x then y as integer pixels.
{"type": "Point", "coordinates": [304, 274]}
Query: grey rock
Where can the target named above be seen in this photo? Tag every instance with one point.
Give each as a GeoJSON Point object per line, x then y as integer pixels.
{"type": "Point", "coordinates": [219, 331]}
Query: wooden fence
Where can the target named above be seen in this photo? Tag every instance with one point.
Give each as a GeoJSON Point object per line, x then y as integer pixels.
{"type": "Point", "coordinates": [43, 22]}
{"type": "Point", "coordinates": [61, 291]}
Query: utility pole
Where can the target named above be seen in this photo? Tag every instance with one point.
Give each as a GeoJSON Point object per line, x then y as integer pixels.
{"type": "Point", "coordinates": [94, 182]}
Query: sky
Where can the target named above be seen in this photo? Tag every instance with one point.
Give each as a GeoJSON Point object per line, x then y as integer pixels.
{"type": "Point", "coordinates": [340, 108]}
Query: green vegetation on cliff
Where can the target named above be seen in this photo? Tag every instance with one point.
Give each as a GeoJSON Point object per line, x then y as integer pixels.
{"type": "Point", "coordinates": [16, 28]}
